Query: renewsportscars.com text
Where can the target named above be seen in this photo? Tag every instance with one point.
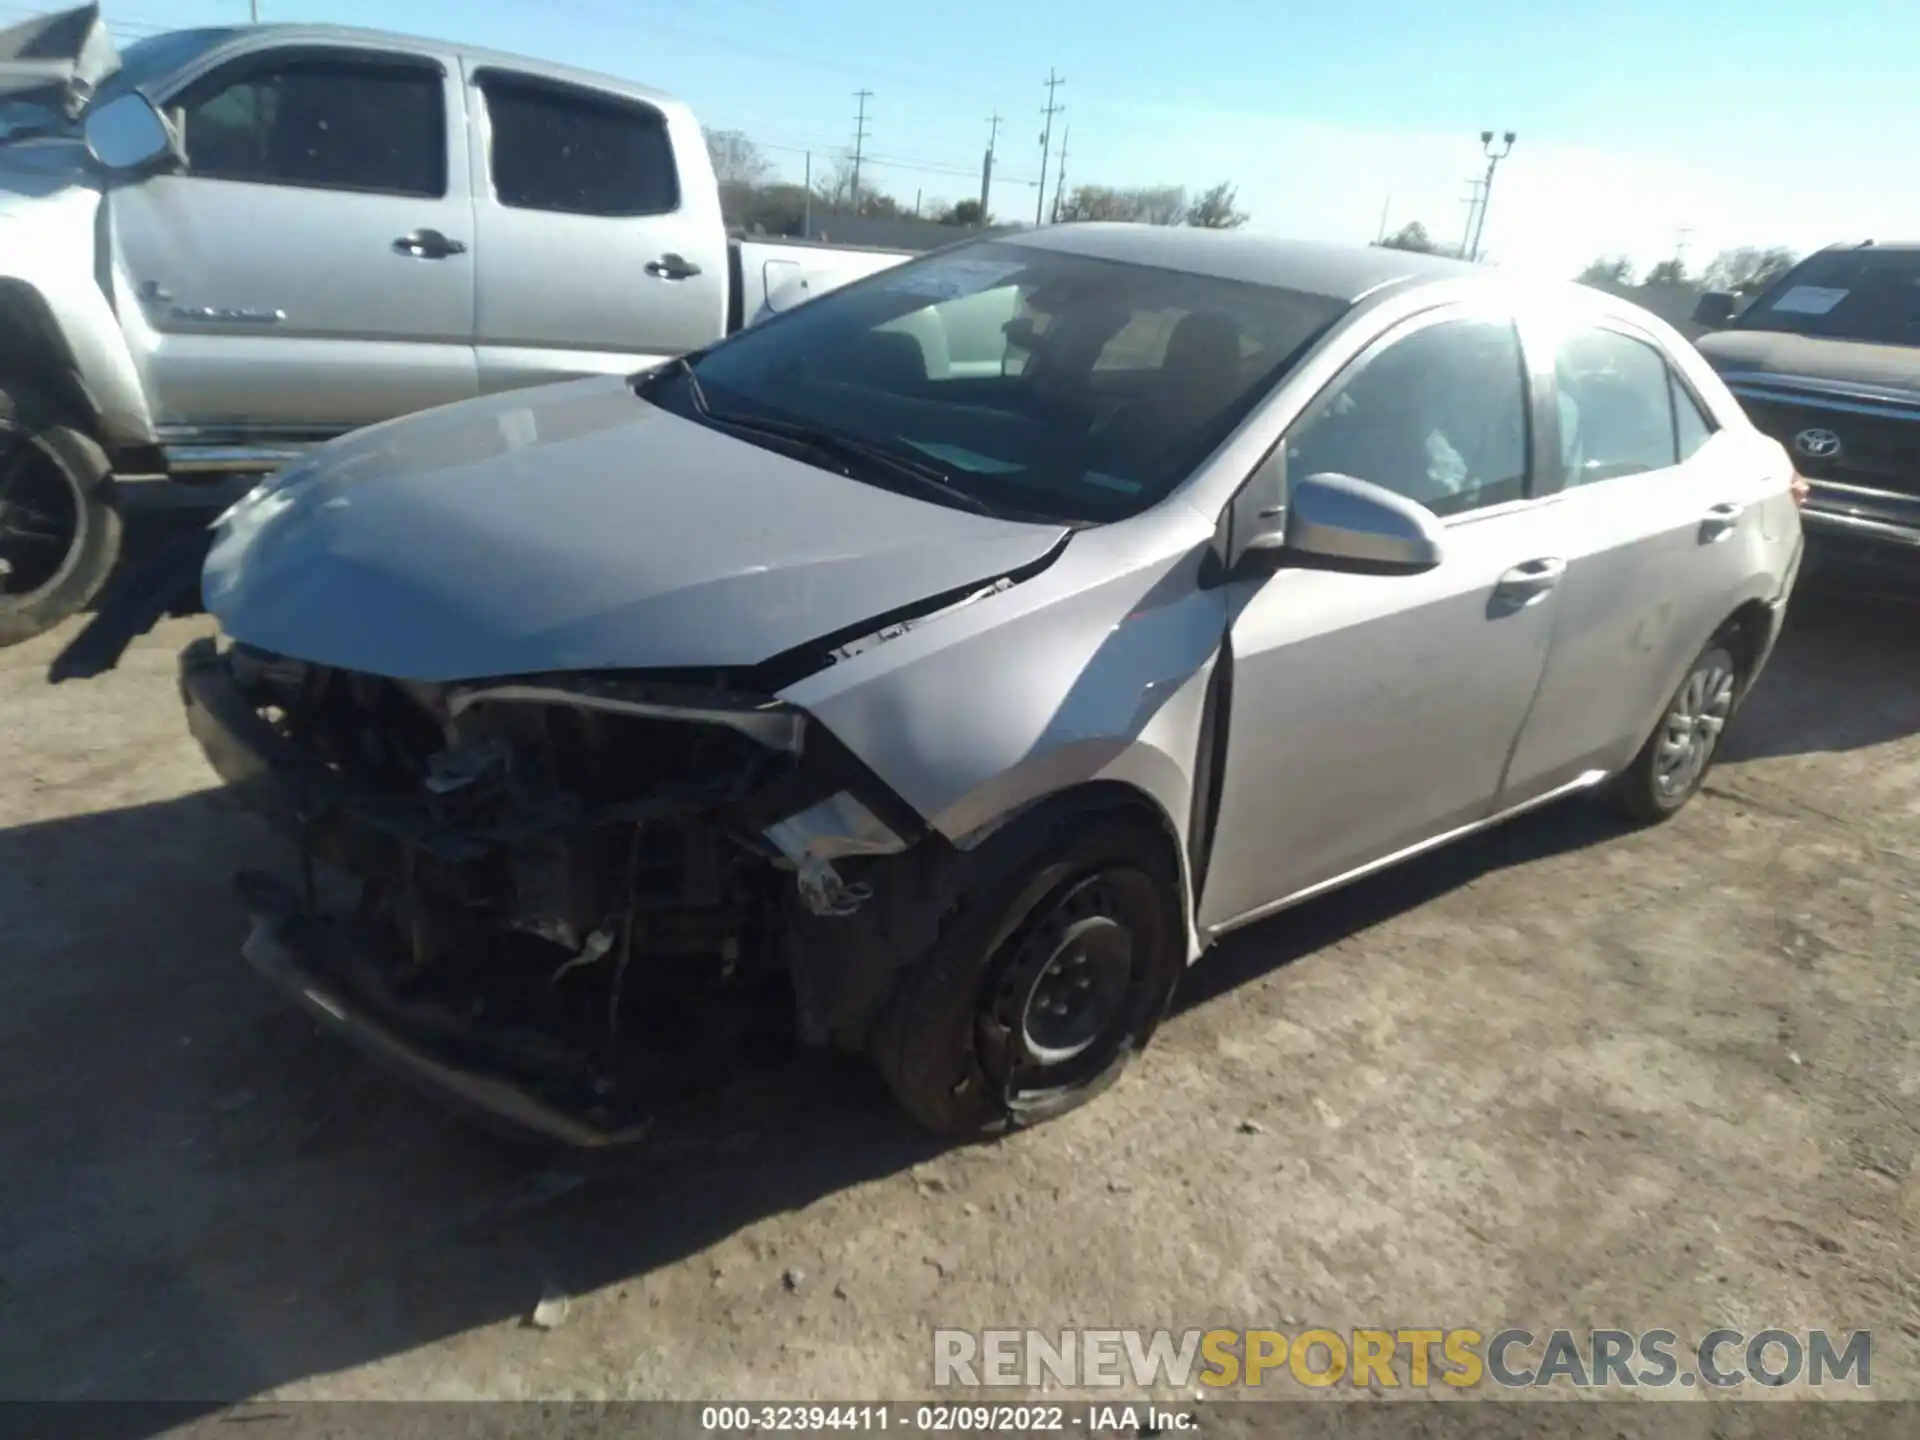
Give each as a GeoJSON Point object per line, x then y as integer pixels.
{"type": "Point", "coordinates": [1459, 1357]}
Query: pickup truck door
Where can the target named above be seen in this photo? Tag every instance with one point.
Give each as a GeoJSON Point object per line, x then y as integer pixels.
{"type": "Point", "coordinates": [598, 229]}
{"type": "Point", "coordinates": [311, 269]}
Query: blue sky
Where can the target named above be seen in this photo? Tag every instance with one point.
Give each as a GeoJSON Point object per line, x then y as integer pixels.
{"type": "Point", "coordinates": [1757, 122]}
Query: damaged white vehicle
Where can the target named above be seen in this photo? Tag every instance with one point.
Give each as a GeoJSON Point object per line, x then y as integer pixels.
{"type": "Point", "coordinates": [962, 653]}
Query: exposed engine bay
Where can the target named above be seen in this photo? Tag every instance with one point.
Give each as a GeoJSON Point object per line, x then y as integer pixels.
{"type": "Point", "coordinates": [604, 889]}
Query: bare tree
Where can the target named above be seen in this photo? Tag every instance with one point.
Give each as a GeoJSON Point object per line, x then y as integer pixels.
{"type": "Point", "coordinates": [1607, 270]}
{"type": "Point", "coordinates": [1411, 236]}
{"type": "Point", "coordinates": [1144, 205]}
{"type": "Point", "coordinates": [1669, 273]}
{"type": "Point", "coordinates": [963, 212]}
{"type": "Point", "coordinates": [736, 159]}
{"type": "Point", "coordinates": [1215, 209]}
{"type": "Point", "coordinates": [1747, 269]}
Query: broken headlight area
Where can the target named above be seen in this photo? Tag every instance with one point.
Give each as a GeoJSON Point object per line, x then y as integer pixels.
{"type": "Point", "coordinates": [594, 888]}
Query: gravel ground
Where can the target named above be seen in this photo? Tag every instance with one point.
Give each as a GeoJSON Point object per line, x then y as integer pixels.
{"type": "Point", "coordinates": [1563, 1074]}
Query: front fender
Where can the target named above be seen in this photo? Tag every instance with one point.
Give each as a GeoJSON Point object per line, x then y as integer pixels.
{"type": "Point", "coordinates": [56, 324]}
{"type": "Point", "coordinates": [1096, 669]}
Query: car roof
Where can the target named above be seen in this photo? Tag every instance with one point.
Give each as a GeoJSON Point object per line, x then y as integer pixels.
{"type": "Point", "coordinates": [1316, 267]}
{"type": "Point", "coordinates": [349, 36]}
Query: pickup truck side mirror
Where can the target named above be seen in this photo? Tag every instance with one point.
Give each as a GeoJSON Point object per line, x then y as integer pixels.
{"type": "Point", "coordinates": [1338, 522]}
{"type": "Point", "coordinates": [1714, 309]}
{"type": "Point", "coordinates": [129, 133]}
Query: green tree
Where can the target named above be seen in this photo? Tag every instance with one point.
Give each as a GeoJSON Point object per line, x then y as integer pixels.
{"type": "Point", "coordinates": [1215, 209]}
{"type": "Point", "coordinates": [964, 212]}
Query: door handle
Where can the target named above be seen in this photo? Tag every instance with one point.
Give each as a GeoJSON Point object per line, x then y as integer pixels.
{"type": "Point", "coordinates": [428, 245]}
{"type": "Point", "coordinates": [1719, 522]}
{"type": "Point", "coordinates": [672, 267]}
{"type": "Point", "coordinates": [1527, 582]}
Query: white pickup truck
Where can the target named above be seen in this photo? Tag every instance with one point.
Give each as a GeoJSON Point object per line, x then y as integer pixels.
{"type": "Point", "coordinates": [222, 246]}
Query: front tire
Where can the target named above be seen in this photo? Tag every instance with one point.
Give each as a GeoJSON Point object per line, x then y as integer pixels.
{"type": "Point", "coordinates": [60, 529]}
{"type": "Point", "coordinates": [1673, 764]}
{"type": "Point", "coordinates": [1054, 973]}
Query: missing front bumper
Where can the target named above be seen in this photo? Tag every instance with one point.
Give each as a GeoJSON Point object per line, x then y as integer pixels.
{"type": "Point", "coordinates": [305, 956]}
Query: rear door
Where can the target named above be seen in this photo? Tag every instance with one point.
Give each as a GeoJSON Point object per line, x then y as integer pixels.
{"type": "Point", "coordinates": [311, 269]}
{"type": "Point", "coordinates": [1373, 712]}
{"type": "Point", "coordinates": [1651, 517]}
{"type": "Point", "coordinates": [601, 244]}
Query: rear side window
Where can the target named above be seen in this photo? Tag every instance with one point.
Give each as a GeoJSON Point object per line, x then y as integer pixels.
{"type": "Point", "coordinates": [322, 121]}
{"type": "Point", "coordinates": [1692, 426]}
{"type": "Point", "coordinates": [564, 150]}
{"type": "Point", "coordinates": [1616, 407]}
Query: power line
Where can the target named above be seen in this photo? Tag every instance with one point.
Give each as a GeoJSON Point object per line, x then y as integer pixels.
{"type": "Point", "coordinates": [1054, 82]}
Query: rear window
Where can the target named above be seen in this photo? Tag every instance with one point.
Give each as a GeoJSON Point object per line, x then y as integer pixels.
{"type": "Point", "coordinates": [1047, 382]}
{"type": "Point", "coordinates": [566, 151]}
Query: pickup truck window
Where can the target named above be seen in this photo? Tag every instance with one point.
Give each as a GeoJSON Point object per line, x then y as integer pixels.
{"type": "Point", "coordinates": [1128, 376]}
{"type": "Point", "coordinates": [559, 149]}
{"type": "Point", "coordinates": [322, 121]}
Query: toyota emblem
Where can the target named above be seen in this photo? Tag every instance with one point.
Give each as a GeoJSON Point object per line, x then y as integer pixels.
{"type": "Point", "coordinates": [1817, 444]}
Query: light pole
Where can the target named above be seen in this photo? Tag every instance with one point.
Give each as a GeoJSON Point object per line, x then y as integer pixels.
{"type": "Point", "coordinates": [1494, 157]}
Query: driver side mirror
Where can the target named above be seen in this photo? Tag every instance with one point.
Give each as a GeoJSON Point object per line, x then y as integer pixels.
{"type": "Point", "coordinates": [129, 134]}
{"type": "Point", "coordinates": [1338, 522]}
{"type": "Point", "coordinates": [1714, 309]}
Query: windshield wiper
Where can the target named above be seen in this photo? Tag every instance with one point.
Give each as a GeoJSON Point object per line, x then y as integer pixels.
{"type": "Point", "coordinates": [844, 448]}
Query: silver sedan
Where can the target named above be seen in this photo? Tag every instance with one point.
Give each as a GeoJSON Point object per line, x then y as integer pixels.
{"type": "Point", "coordinates": [964, 653]}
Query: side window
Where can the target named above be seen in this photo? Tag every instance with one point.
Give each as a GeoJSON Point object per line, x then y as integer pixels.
{"type": "Point", "coordinates": [322, 122]}
{"type": "Point", "coordinates": [1691, 423]}
{"type": "Point", "coordinates": [1439, 417]}
{"type": "Point", "coordinates": [1616, 407]}
{"type": "Point", "coordinates": [566, 150]}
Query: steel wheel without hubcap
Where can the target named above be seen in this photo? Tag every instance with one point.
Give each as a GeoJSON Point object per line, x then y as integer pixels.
{"type": "Point", "coordinates": [1692, 727]}
{"type": "Point", "coordinates": [1060, 1011]}
{"type": "Point", "coordinates": [41, 518]}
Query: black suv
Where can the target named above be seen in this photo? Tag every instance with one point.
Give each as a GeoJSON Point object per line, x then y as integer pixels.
{"type": "Point", "coordinates": [1827, 361]}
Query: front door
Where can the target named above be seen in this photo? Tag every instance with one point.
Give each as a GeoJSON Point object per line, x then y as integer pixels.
{"type": "Point", "coordinates": [1373, 712]}
{"type": "Point", "coordinates": [311, 270]}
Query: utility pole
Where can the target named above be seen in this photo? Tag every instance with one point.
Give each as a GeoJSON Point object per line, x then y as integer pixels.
{"type": "Point", "coordinates": [1060, 176]}
{"type": "Point", "coordinates": [806, 215]}
{"type": "Point", "coordinates": [1494, 157]}
{"type": "Point", "coordinates": [253, 10]}
{"type": "Point", "coordinates": [1472, 202]}
{"type": "Point", "coordinates": [1054, 82]}
{"type": "Point", "coordinates": [986, 168]}
{"type": "Point", "coordinates": [1385, 206]}
{"type": "Point", "coordinates": [1681, 237]}
{"type": "Point", "coordinates": [859, 142]}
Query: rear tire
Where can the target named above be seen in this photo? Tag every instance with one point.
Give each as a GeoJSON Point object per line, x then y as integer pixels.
{"type": "Point", "coordinates": [1674, 762]}
{"type": "Point", "coordinates": [1051, 975]}
{"type": "Point", "coordinates": [60, 528]}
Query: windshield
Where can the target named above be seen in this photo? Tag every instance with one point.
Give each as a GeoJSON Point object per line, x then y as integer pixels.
{"type": "Point", "coordinates": [1865, 294]}
{"type": "Point", "coordinates": [1038, 382]}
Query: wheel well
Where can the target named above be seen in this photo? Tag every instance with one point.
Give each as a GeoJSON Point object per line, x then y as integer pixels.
{"type": "Point", "coordinates": [35, 353]}
{"type": "Point", "coordinates": [1115, 797]}
{"type": "Point", "coordinates": [1748, 627]}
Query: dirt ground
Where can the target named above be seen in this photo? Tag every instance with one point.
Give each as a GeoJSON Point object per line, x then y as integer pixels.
{"type": "Point", "coordinates": [1563, 1074]}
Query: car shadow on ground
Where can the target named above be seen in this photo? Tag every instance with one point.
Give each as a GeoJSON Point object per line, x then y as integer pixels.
{"type": "Point", "coordinates": [1845, 676]}
{"type": "Point", "coordinates": [205, 1198]}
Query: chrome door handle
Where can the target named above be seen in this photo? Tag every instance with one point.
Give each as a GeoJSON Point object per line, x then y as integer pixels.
{"type": "Point", "coordinates": [428, 245]}
{"type": "Point", "coordinates": [1719, 522]}
{"type": "Point", "coordinates": [1527, 582]}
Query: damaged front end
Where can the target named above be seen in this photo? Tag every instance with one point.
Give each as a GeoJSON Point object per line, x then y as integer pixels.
{"type": "Point", "coordinates": [567, 896]}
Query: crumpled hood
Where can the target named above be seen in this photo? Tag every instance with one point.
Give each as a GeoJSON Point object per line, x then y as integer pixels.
{"type": "Point", "coordinates": [57, 60]}
{"type": "Point", "coordinates": [1844, 363]}
{"type": "Point", "coordinates": [572, 527]}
